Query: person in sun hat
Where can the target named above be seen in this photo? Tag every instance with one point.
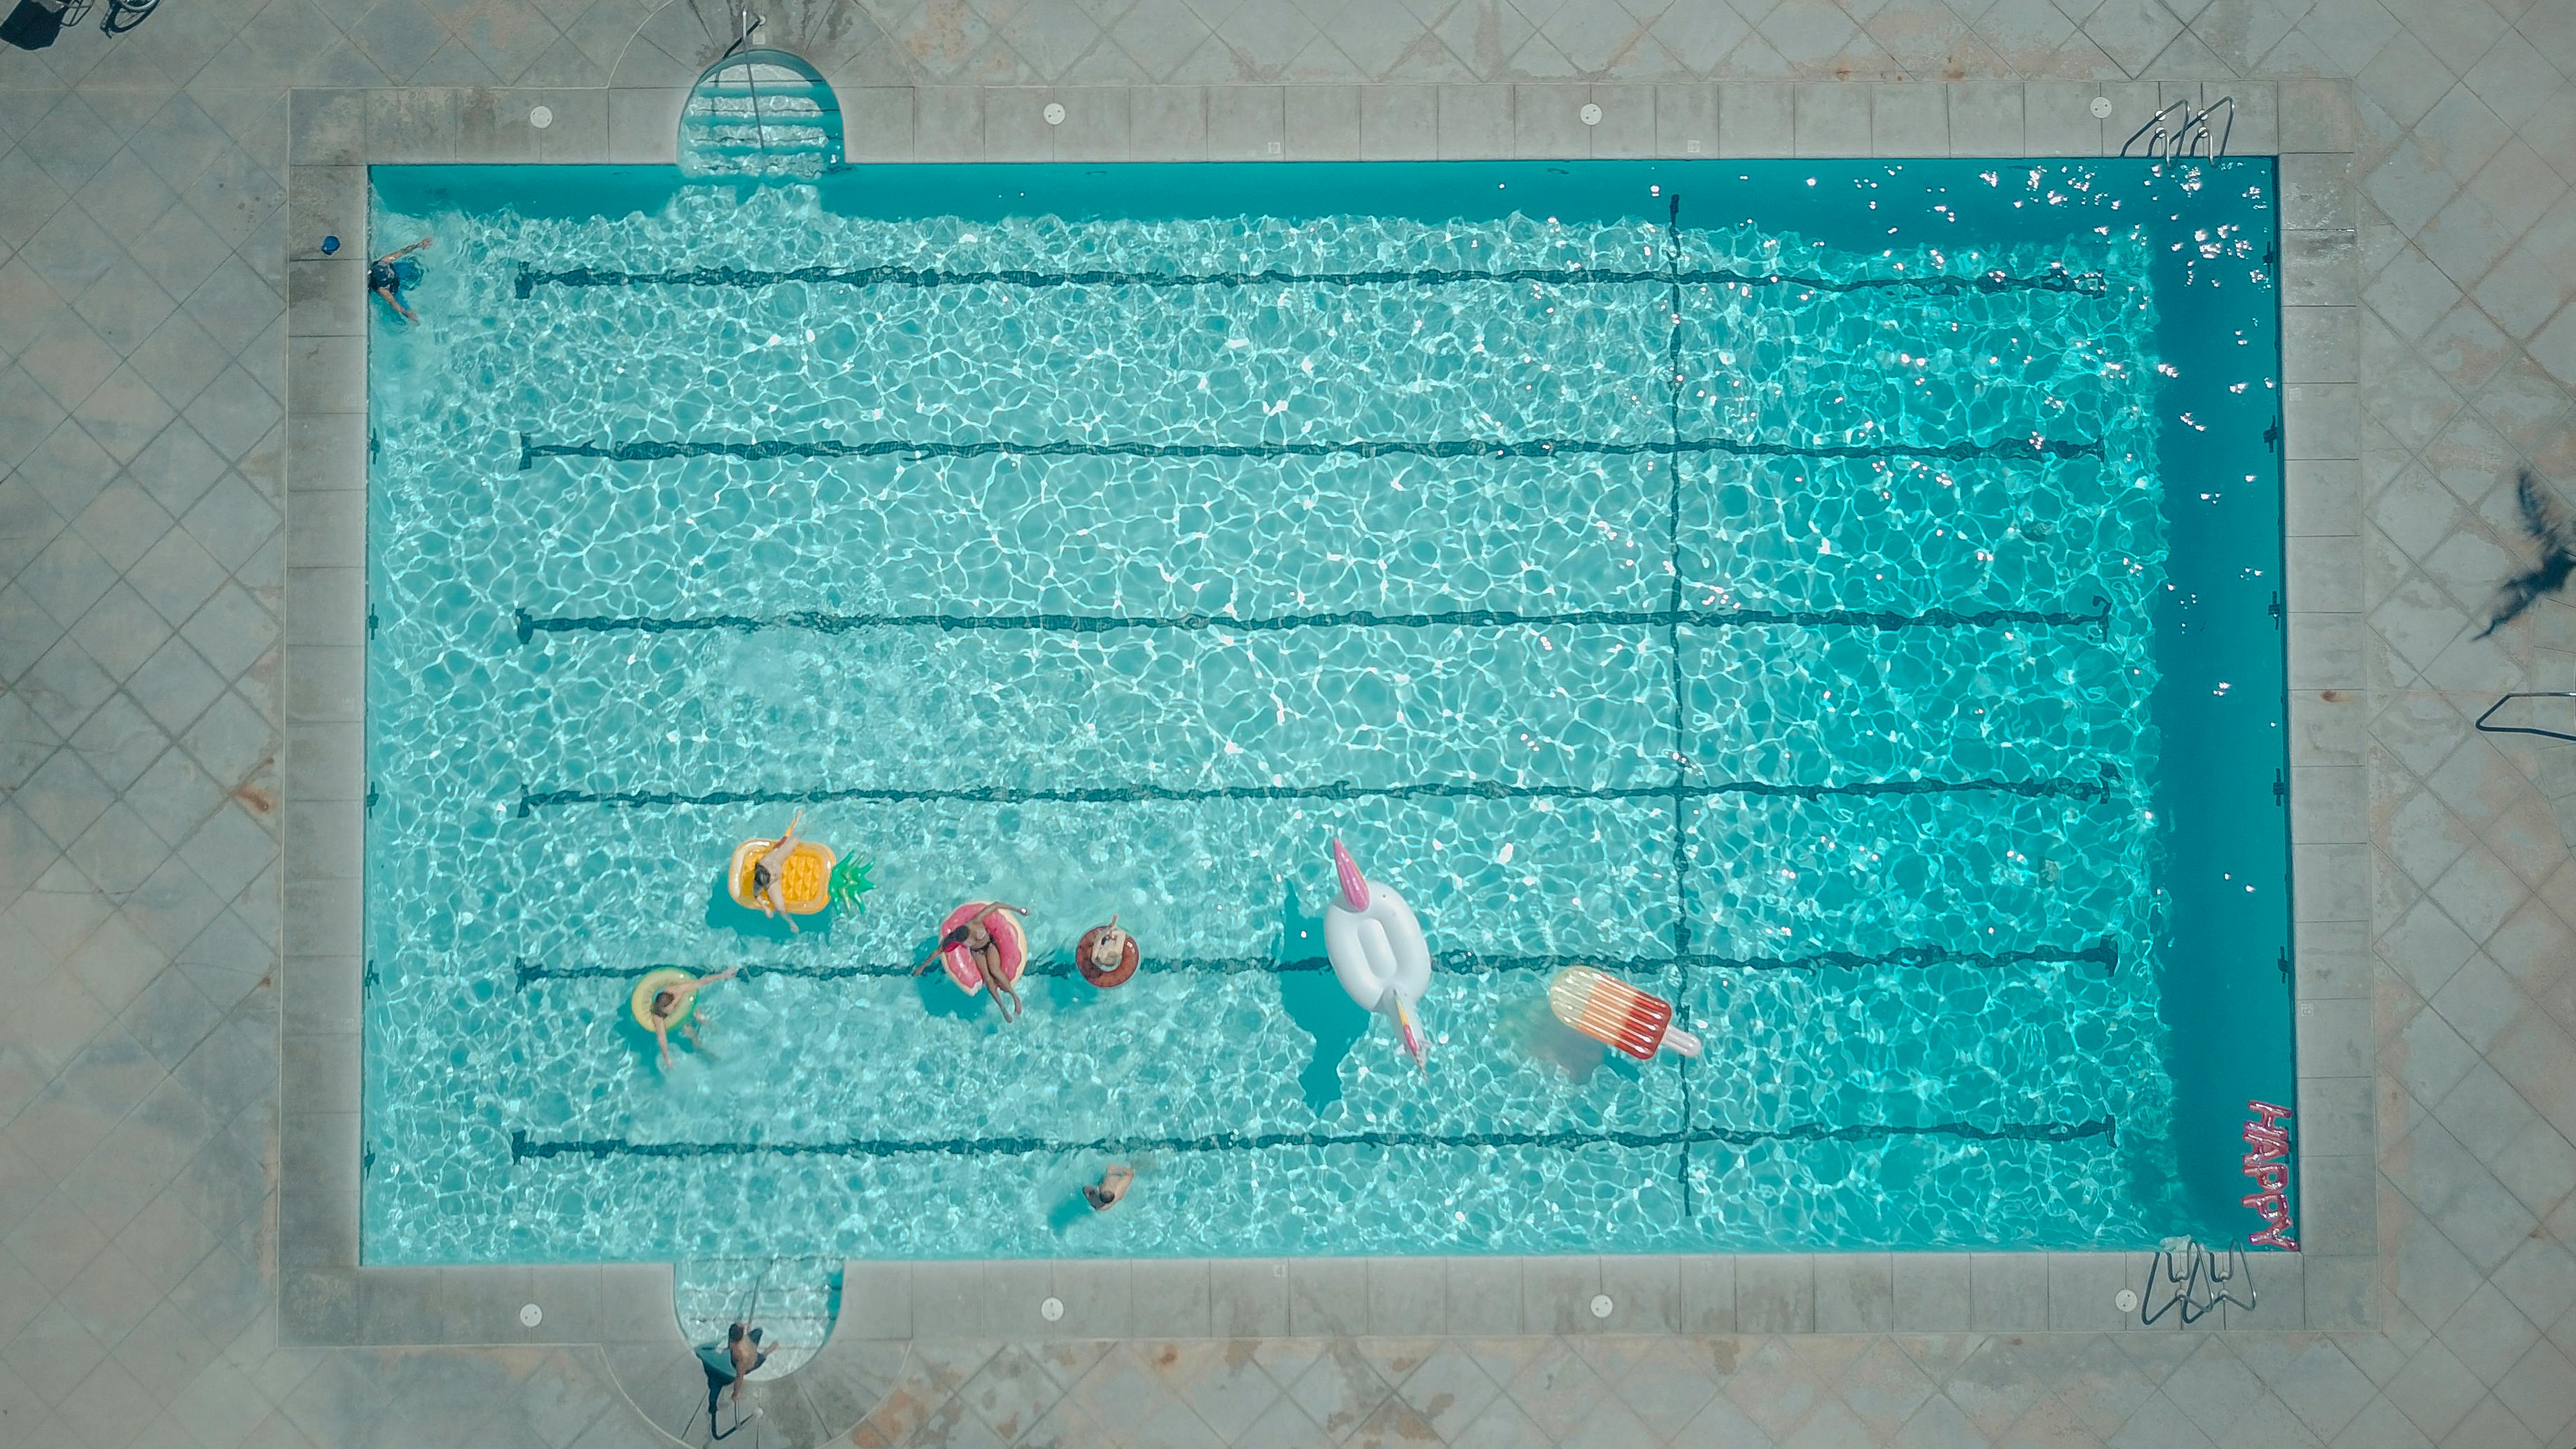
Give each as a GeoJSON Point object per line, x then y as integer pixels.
{"type": "Point", "coordinates": [1106, 956]}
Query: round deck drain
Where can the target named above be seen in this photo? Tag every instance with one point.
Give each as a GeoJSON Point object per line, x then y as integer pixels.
{"type": "Point", "coordinates": [531, 1315]}
{"type": "Point", "coordinates": [1054, 113]}
{"type": "Point", "coordinates": [2101, 107]}
{"type": "Point", "coordinates": [1591, 114]}
{"type": "Point", "coordinates": [541, 116]}
{"type": "Point", "coordinates": [2127, 1301]}
{"type": "Point", "coordinates": [1052, 1310]}
{"type": "Point", "coordinates": [1601, 1305]}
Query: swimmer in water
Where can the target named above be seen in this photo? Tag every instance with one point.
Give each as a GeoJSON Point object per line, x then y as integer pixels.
{"type": "Point", "coordinates": [978, 940]}
{"type": "Point", "coordinates": [767, 884]}
{"type": "Point", "coordinates": [387, 275]}
{"type": "Point", "coordinates": [1112, 1187]}
{"type": "Point", "coordinates": [670, 1008]}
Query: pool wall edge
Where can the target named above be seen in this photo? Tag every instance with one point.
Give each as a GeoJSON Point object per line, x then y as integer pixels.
{"type": "Point", "coordinates": [326, 1298]}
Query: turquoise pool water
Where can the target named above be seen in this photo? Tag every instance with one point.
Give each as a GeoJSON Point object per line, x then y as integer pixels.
{"type": "Point", "coordinates": [1834, 597]}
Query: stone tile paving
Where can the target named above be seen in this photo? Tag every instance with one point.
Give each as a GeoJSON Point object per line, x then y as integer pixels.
{"type": "Point", "coordinates": [141, 366]}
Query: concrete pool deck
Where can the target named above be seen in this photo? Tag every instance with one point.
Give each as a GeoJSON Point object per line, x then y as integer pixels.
{"type": "Point", "coordinates": [182, 620]}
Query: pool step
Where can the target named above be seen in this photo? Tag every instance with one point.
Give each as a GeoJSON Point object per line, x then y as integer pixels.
{"type": "Point", "coordinates": [791, 1301]}
{"type": "Point", "coordinates": [757, 118]}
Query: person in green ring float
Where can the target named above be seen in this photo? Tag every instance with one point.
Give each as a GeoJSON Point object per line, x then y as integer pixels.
{"type": "Point", "coordinates": [670, 1008]}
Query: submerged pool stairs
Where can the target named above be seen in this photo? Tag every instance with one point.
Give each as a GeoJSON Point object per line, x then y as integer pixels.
{"type": "Point", "coordinates": [792, 1301]}
{"type": "Point", "coordinates": [756, 119]}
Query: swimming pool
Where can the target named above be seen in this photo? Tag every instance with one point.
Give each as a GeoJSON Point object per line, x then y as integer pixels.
{"type": "Point", "coordinates": [1839, 598]}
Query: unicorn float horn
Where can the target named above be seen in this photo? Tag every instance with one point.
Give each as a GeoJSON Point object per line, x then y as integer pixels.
{"type": "Point", "coordinates": [1355, 891]}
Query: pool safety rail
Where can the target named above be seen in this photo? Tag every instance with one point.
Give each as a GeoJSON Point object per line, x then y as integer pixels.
{"type": "Point", "coordinates": [2195, 1279]}
{"type": "Point", "coordinates": [2181, 130]}
{"type": "Point", "coordinates": [2103, 953]}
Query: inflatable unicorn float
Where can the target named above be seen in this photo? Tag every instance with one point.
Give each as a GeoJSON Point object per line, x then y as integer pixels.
{"type": "Point", "coordinates": [1377, 951]}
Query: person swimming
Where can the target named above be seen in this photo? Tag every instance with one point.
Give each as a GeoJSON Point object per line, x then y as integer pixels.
{"type": "Point", "coordinates": [387, 275]}
{"type": "Point", "coordinates": [670, 1009]}
{"type": "Point", "coordinates": [978, 940]}
{"type": "Point", "coordinates": [768, 873]}
{"type": "Point", "coordinates": [1113, 1186]}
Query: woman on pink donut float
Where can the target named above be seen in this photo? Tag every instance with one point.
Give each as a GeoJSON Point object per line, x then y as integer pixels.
{"type": "Point", "coordinates": [982, 944]}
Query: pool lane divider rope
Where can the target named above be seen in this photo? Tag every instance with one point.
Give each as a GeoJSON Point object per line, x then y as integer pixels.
{"type": "Point", "coordinates": [524, 1149]}
{"type": "Point", "coordinates": [2083, 284]}
{"type": "Point", "coordinates": [2066, 787]}
{"type": "Point", "coordinates": [2103, 953]}
{"type": "Point", "coordinates": [822, 621]}
{"type": "Point", "coordinates": [2025, 449]}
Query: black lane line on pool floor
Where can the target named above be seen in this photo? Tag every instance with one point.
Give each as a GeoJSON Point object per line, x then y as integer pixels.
{"type": "Point", "coordinates": [1681, 707]}
{"type": "Point", "coordinates": [2084, 284]}
{"type": "Point", "coordinates": [822, 621]}
{"type": "Point", "coordinates": [2103, 953]}
{"type": "Point", "coordinates": [2069, 788]}
{"type": "Point", "coordinates": [522, 1149]}
{"type": "Point", "coordinates": [652, 450]}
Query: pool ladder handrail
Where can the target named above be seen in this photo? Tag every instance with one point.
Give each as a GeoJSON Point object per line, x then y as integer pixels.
{"type": "Point", "coordinates": [2200, 1284]}
{"type": "Point", "coordinates": [746, 25]}
{"type": "Point", "coordinates": [2189, 135]}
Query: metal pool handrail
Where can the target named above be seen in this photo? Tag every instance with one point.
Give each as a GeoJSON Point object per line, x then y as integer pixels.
{"type": "Point", "coordinates": [2192, 132]}
{"type": "Point", "coordinates": [2201, 1284]}
{"type": "Point", "coordinates": [2497, 729]}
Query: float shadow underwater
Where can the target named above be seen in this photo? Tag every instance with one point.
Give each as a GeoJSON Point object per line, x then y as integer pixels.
{"type": "Point", "coordinates": [724, 913]}
{"type": "Point", "coordinates": [1314, 999]}
{"type": "Point", "coordinates": [941, 996]}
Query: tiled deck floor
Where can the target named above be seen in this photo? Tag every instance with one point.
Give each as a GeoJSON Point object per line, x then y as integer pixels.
{"type": "Point", "coordinates": [142, 323]}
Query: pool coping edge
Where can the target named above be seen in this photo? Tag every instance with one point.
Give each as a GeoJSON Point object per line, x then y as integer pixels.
{"type": "Point", "coordinates": [326, 1298]}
